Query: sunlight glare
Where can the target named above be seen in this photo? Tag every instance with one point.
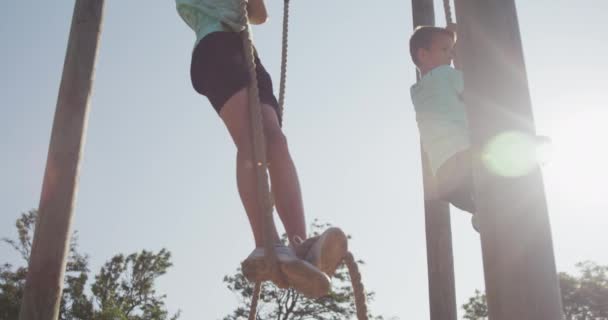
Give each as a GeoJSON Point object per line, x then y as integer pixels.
{"type": "Point", "coordinates": [577, 172]}
{"type": "Point", "coordinates": [514, 154]}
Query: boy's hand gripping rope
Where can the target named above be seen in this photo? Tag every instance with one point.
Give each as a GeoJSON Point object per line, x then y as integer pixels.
{"type": "Point", "coordinates": [264, 196]}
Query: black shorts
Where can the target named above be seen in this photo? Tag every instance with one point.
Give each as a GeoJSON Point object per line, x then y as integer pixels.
{"type": "Point", "coordinates": [455, 181]}
{"type": "Point", "coordinates": [219, 70]}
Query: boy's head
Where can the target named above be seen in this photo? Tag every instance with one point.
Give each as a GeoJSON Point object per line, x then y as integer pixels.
{"type": "Point", "coordinates": [431, 47]}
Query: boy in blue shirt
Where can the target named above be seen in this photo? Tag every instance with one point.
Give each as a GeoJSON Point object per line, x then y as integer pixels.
{"type": "Point", "coordinates": [442, 119]}
{"type": "Point", "coordinates": [441, 115]}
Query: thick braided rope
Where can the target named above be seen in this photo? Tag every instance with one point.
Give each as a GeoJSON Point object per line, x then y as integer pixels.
{"type": "Point", "coordinates": [259, 152]}
{"type": "Point", "coordinates": [282, 84]}
{"type": "Point", "coordinates": [448, 12]}
{"type": "Point", "coordinates": [358, 289]}
{"type": "Point", "coordinates": [254, 302]}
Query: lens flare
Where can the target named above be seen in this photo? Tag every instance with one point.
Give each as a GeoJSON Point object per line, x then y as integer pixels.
{"type": "Point", "coordinates": [515, 154]}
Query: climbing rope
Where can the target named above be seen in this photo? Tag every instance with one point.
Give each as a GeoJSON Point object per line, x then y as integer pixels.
{"type": "Point", "coordinates": [254, 301]}
{"type": "Point", "coordinates": [448, 12]}
{"type": "Point", "coordinates": [264, 201]}
{"type": "Point", "coordinates": [264, 196]}
{"type": "Point", "coordinates": [451, 26]}
{"type": "Point", "coordinates": [283, 80]}
{"type": "Point", "coordinates": [358, 289]}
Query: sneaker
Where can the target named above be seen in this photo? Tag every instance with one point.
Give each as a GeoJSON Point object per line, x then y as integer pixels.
{"type": "Point", "coordinates": [255, 269]}
{"type": "Point", "coordinates": [326, 251]}
{"type": "Point", "coordinates": [298, 274]}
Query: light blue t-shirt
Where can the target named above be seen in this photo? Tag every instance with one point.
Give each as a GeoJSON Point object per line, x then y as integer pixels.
{"type": "Point", "coordinates": [207, 16]}
{"type": "Point", "coordinates": [441, 114]}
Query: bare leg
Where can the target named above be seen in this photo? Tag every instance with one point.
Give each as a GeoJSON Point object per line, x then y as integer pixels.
{"type": "Point", "coordinates": [283, 176]}
{"type": "Point", "coordinates": [235, 114]}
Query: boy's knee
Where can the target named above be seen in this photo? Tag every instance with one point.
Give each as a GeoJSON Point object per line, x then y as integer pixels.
{"type": "Point", "coordinates": [459, 196]}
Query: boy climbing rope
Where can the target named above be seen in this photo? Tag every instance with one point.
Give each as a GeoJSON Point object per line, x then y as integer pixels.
{"type": "Point", "coordinates": [441, 116]}
{"type": "Point", "coordinates": [219, 72]}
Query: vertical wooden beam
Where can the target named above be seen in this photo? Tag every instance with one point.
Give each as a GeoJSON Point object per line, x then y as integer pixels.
{"type": "Point", "coordinates": [47, 262]}
{"type": "Point", "coordinates": [520, 273]}
{"type": "Point", "coordinates": [440, 261]}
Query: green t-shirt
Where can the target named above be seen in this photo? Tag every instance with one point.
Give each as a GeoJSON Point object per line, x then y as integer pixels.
{"type": "Point", "coordinates": [441, 114]}
{"type": "Point", "coordinates": [207, 16]}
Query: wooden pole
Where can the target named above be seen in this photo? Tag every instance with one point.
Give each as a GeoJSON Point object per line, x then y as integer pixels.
{"type": "Point", "coordinates": [520, 274]}
{"type": "Point", "coordinates": [440, 261]}
{"type": "Point", "coordinates": [47, 262]}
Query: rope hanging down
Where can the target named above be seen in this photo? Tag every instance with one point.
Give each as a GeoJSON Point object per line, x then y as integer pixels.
{"type": "Point", "coordinates": [283, 80]}
{"type": "Point", "coordinates": [448, 12]}
{"type": "Point", "coordinates": [264, 195]}
{"type": "Point", "coordinates": [264, 201]}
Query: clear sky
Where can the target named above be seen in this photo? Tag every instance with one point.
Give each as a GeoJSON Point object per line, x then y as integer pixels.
{"type": "Point", "coordinates": [158, 169]}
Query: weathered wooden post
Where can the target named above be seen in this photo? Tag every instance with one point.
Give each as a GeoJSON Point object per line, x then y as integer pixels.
{"type": "Point", "coordinates": [520, 274]}
{"type": "Point", "coordinates": [47, 262]}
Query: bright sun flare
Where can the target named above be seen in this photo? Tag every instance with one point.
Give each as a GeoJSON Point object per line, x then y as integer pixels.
{"type": "Point", "coordinates": [579, 159]}
{"type": "Point", "coordinates": [574, 158]}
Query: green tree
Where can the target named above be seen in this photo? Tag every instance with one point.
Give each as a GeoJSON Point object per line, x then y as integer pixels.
{"type": "Point", "coordinates": [477, 307]}
{"type": "Point", "coordinates": [123, 289]}
{"type": "Point", "coordinates": [12, 282]}
{"type": "Point", "coordinates": [279, 304]}
{"type": "Point", "coordinates": [584, 296]}
{"type": "Point", "coordinates": [11, 291]}
{"type": "Point", "coordinates": [124, 286]}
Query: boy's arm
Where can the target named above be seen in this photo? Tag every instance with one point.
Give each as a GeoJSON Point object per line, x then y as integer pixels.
{"type": "Point", "coordinates": [257, 11]}
{"type": "Point", "coordinates": [454, 28]}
